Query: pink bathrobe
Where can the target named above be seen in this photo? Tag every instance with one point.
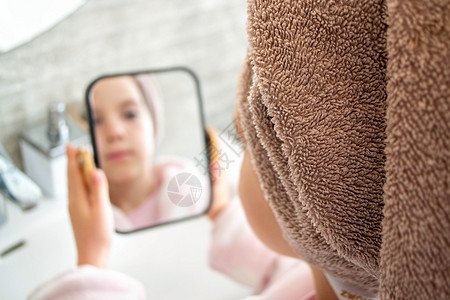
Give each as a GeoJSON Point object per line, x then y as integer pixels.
{"type": "Point", "coordinates": [235, 251]}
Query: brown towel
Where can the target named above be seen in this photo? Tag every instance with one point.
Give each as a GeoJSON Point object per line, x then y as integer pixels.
{"type": "Point", "coordinates": [415, 254]}
{"type": "Point", "coordinates": [313, 104]}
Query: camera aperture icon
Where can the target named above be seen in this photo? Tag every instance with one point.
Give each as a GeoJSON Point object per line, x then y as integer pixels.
{"type": "Point", "coordinates": [184, 189]}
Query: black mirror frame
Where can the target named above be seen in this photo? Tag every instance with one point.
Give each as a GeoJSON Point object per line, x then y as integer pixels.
{"type": "Point", "coordinates": [207, 144]}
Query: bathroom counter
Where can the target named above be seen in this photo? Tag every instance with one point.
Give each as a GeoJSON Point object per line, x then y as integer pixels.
{"type": "Point", "coordinates": [162, 258]}
{"type": "Point", "coordinates": [19, 223]}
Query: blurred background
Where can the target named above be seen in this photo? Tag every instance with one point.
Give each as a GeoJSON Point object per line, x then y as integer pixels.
{"type": "Point", "coordinates": [50, 51]}
{"type": "Point", "coordinates": [116, 36]}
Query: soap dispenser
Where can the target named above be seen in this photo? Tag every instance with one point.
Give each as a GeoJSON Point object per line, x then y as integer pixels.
{"type": "Point", "coordinates": [57, 129]}
{"type": "Point", "coordinates": [43, 149]}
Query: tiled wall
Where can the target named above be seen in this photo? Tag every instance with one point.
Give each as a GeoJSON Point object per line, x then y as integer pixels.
{"type": "Point", "coordinates": [106, 36]}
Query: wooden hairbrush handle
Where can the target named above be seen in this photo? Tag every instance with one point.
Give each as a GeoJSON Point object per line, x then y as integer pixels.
{"type": "Point", "coordinates": [214, 150]}
{"type": "Point", "coordinates": [87, 164]}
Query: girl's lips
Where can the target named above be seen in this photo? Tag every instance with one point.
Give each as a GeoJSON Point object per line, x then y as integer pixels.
{"type": "Point", "coordinates": [118, 155]}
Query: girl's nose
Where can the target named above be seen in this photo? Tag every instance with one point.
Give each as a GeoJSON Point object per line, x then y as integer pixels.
{"type": "Point", "coordinates": [114, 131]}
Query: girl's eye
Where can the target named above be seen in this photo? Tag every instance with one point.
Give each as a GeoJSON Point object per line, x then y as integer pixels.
{"type": "Point", "coordinates": [97, 121]}
{"type": "Point", "coordinates": [130, 114]}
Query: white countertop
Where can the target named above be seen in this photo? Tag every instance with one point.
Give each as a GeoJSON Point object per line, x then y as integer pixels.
{"type": "Point", "coordinates": [171, 261]}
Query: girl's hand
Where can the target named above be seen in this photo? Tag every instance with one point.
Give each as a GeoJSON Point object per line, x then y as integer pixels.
{"type": "Point", "coordinates": [220, 193]}
{"type": "Point", "coordinates": [90, 213]}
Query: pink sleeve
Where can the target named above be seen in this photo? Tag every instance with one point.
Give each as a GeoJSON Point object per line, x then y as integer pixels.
{"type": "Point", "coordinates": [88, 282]}
{"type": "Point", "coordinates": [237, 252]}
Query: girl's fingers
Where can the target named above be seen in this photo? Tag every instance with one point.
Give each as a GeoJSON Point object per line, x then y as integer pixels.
{"type": "Point", "coordinates": [99, 188]}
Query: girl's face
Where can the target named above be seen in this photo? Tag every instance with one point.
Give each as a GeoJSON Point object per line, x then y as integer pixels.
{"type": "Point", "coordinates": [123, 129]}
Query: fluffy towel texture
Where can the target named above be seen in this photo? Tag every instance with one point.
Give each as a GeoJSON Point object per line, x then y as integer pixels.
{"type": "Point", "coordinates": [415, 255]}
{"type": "Point", "coordinates": [153, 98]}
{"type": "Point", "coordinates": [313, 103]}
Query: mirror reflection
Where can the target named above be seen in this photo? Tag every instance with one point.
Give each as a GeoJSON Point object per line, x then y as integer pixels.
{"type": "Point", "coordinates": [149, 139]}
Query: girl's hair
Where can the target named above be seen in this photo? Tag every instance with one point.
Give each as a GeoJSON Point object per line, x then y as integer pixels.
{"type": "Point", "coordinates": [152, 98]}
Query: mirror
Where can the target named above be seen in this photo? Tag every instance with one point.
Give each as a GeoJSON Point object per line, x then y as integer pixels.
{"type": "Point", "coordinates": [148, 136]}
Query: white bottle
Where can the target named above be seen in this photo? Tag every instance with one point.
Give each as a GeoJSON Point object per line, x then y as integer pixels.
{"type": "Point", "coordinates": [43, 150]}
